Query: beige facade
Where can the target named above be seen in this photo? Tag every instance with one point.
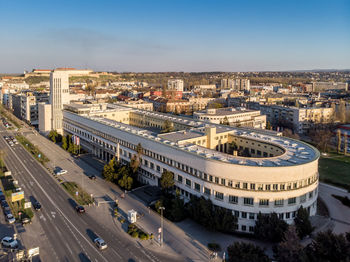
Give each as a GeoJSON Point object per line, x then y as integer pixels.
{"type": "Point", "coordinates": [44, 111]}
{"type": "Point", "coordinates": [232, 116]}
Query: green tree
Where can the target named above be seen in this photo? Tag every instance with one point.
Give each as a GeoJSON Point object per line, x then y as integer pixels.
{"type": "Point", "coordinates": [167, 180]}
{"type": "Point", "coordinates": [225, 221]}
{"type": "Point", "coordinates": [225, 121]}
{"type": "Point", "coordinates": [270, 227]}
{"type": "Point", "coordinates": [64, 143]}
{"type": "Point", "coordinates": [268, 125]}
{"type": "Point", "coordinates": [302, 222]}
{"type": "Point", "coordinates": [108, 172]}
{"type": "Point", "coordinates": [246, 252]}
{"type": "Point", "coordinates": [328, 246]}
{"type": "Point", "coordinates": [290, 248]}
{"type": "Point", "coordinates": [53, 135]}
{"type": "Point", "coordinates": [177, 210]}
{"type": "Point", "coordinates": [125, 182]}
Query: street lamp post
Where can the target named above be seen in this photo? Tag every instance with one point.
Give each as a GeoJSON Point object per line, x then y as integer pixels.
{"type": "Point", "coordinates": [161, 225]}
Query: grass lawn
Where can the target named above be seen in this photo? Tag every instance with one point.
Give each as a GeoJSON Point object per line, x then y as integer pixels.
{"type": "Point", "coordinates": [335, 169]}
{"type": "Point", "coordinates": [82, 198]}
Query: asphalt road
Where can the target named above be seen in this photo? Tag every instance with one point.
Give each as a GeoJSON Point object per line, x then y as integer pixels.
{"type": "Point", "coordinates": [69, 234]}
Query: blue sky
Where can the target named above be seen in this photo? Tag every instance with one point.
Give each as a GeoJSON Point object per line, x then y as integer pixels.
{"type": "Point", "coordinates": [171, 35]}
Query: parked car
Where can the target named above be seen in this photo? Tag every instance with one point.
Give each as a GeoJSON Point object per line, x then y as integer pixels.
{"type": "Point", "coordinates": [61, 172]}
{"type": "Point", "coordinates": [9, 242]}
{"type": "Point", "coordinates": [37, 206]}
{"type": "Point", "coordinates": [4, 203]}
{"type": "Point", "coordinates": [26, 221]}
{"type": "Point", "coordinates": [100, 243]}
{"type": "Point", "coordinates": [80, 209]}
{"type": "Point", "coordinates": [2, 197]}
{"type": "Point", "coordinates": [10, 218]}
{"type": "Point", "coordinates": [92, 177]}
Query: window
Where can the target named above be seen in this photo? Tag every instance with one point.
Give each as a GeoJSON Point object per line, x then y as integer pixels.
{"type": "Point", "coordinates": [233, 199]}
{"type": "Point", "coordinates": [264, 202]}
{"type": "Point", "coordinates": [179, 178]}
{"type": "Point", "coordinates": [245, 185]}
{"type": "Point", "coordinates": [251, 229]}
{"type": "Point", "coordinates": [230, 183]}
{"type": "Point", "coordinates": [188, 182]}
{"type": "Point", "coordinates": [279, 202]}
{"type": "Point", "coordinates": [244, 214]}
{"type": "Point", "coordinates": [216, 180]}
{"type": "Point", "coordinates": [292, 200]}
{"type": "Point", "coordinates": [206, 191]}
{"type": "Point", "coordinates": [210, 178]}
{"type": "Point", "coordinates": [260, 187]}
{"type": "Point", "coordinates": [287, 215]}
{"type": "Point", "coordinates": [252, 186]}
{"type": "Point", "coordinates": [280, 216]}
{"type": "Point", "coordinates": [303, 198]}
{"type": "Point", "coordinates": [158, 168]}
{"type": "Point", "coordinates": [219, 195]}
{"type": "Point", "coordinates": [205, 176]}
{"type": "Point", "coordinates": [197, 187]}
{"type": "Point", "coordinates": [311, 194]}
{"type": "Point", "coordinates": [248, 201]}
{"type": "Point", "coordinates": [236, 213]}
{"type": "Point", "coordinates": [223, 182]}
{"type": "Point", "coordinates": [244, 228]}
{"type": "Point", "coordinates": [282, 186]}
{"type": "Point", "coordinates": [268, 187]}
{"type": "Point", "coordinates": [275, 186]}
{"type": "Point", "coordinates": [237, 185]}
{"type": "Point", "coordinates": [152, 165]}
{"type": "Point", "coordinates": [251, 216]}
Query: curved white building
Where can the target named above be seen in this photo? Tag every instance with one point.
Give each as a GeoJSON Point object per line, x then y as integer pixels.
{"type": "Point", "coordinates": [280, 175]}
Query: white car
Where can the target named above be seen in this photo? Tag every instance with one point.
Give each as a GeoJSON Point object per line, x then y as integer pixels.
{"type": "Point", "coordinates": [61, 172]}
{"type": "Point", "coordinates": [100, 243]}
{"type": "Point", "coordinates": [9, 242]}
{"type": "Point", "coordinates": [10, 218]}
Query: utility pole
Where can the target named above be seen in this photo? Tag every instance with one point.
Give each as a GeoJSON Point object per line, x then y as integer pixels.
{"type": "Point", "coordinates": [161, 225]}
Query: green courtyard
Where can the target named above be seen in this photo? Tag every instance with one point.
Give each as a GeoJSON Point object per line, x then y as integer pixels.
{"type": "Point", "coordinates": [335, 169]}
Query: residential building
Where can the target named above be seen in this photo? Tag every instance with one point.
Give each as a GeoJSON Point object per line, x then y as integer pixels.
{"type": "Point", "coordinates": [176, 84]}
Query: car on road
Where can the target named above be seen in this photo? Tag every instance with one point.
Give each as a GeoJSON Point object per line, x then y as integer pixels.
{"type": "Point", "coordinates": [10, 218]}
{"type": "Point", "coordinates": [9, 242]}
{"type": "Point", "coordinates": [61, 172]}
{"type": "Point", "coordinates": [2, 197]}
{"type": "Point", "coordinates": [37, 206]}
{"type": "Point", "coordinates": [80, 209]}
{"type": "Point", "coordinates": [100, 243]}
{"type": "Point", "coordinates": [26, 221]}
{"type": "Point", "coordinates": [4, 204]}
{"type": "Point", "coordinates": [92, 177]}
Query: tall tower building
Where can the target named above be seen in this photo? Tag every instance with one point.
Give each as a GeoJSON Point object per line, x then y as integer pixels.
{"type": "Point", "coordinates": [59, 95]}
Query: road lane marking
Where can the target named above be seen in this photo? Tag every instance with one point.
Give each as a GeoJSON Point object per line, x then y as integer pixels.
{"type": "Point", "coordinates": [54, 204]}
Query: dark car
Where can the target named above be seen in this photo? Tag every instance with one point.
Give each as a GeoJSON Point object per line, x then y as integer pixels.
{"type": "Point", "coordinates": [80, 209]}
{"type": "Point", "coordinates": [92, 177]}
{"type": "Point", "coordinates": [2, 197]}
{"type": "Point", "coordinates": [6, 212]}
{"type": "Point", "coordinates": [4, 204]}
{"type": "Point", "coordinates": [37, 206]}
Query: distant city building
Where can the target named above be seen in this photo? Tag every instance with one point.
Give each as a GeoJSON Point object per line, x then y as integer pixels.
{"type": "Point", "coordinates": [25, 105]}
{"type": "Point", "coordinates": [322, 86]}
{"type": "Point", "coordinates": [232, 116]}
{"type": "Point", "coordinates": [204, 88]}
{"type": "Point", "coordinates": [176, 84]}
{"type": "Point", "coordinates": [299, 119]}
{"type": "Point", "coordinates": [236, 84]}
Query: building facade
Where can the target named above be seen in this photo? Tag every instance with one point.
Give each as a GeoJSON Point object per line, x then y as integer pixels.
{"type": "Point", "coordinates": [280, 176]}
{"type": "Point", "coordinates": [176, 84]}
{"type": "Point", "coordinates": [232, 116]}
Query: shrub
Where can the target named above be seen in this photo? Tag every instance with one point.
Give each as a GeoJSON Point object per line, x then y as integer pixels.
{"type": "Point", "coordinates": [143, 236]}
{"type": "Point", "coordinates": [135, 234]}
{"type": "Point", "coordinates": [122, 220]}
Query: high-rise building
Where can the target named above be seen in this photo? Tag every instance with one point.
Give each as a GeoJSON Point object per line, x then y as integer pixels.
{"type": "Point", "coordinates": [176, 84]}
{"type": "Point", "coordinates": [59, 95]}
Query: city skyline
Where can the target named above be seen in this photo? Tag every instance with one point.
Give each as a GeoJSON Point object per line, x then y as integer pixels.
{"type": "Point", "coordinates": [162, 36]}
